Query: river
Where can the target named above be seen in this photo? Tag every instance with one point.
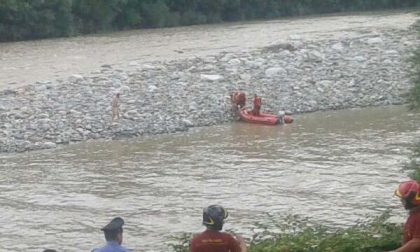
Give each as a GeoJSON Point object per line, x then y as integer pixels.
{"type": "Point", "coordinates": [334, 167]}
{"type": "Point", "coordinates": [27, 62]}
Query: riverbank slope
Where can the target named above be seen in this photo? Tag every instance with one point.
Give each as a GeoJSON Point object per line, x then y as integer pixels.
{"type": "Point", "coordinates": [355, 69]}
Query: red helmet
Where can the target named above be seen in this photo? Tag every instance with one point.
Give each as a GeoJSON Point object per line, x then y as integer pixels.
{"type": "Point", "coordinates": [409, 192]}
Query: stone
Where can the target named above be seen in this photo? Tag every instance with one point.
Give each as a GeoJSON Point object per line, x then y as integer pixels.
{"type": "Point", "coordinates": [40, 88]}
{"type": "Point", "coordinates": [148, 67]}
{"type": "Point", "coordinates": [211, 77]}
{"type": "Point", "coordinates": [75, 78]}
{"type": "Point", "coordinates": [376, 40]}
{"type": "Point", "coordinates": [133, 63]}
{"type": "Point", "coordinates": [359, 58]}
{"type": "Point", "coordinates": [337, 47]}
{"type": "Point", "coordinates": [152, 88]}
{"type": "Point", "coordinates": [124, 89]}
{"type": "Point", "coordinates": [315, 56]}
{"type": "Point", "coordinates": [187, 123]}
{"type": "Point", "coordinates": [274, 71]}
{"type": "Point", "coordinates": [295, 37]}
{"type": "Point", "coordinates": [234, 62]}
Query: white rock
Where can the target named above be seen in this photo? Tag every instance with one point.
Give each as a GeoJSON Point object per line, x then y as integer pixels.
{"type": "Point", "coordinates": [75, 78]}
{"type": "Point", "coordinates": [295, 37]}
{"type": "Point", "coordinates": [133, 63]}
{"type": "Point", "coordinates": [359, 58]}
{"type": "Point", "coordinates": [376, 40]}
{"type": "Point", "coordinates": [116, 83]}
{"type": "Point", "coordinates": [40, 87]}
{"type": "Point", "coordinates": [187, 122]}
{"type": "Point", "coordinates": [49, 145]}
{"type": "Point", "coordinates": [124, 89]}
{"type": "Point", "coordinates": [227, 57]}
{"type": "Point", "coordinates": [211, 77]}
{"type": "Point", "coordinates": [234, 62]}
{"type": "Point", "coordinates": [147, 66]}
{"type": "Point", "coordinates": [132, 112]}
{"type": "Point", "coordinates": [325, 83]}
{"type": "Point", "coordinates": [152, 88]}
{"type": "Point", "coordinates": [245, 77]}
{"type": "Point", "coordinates": [273, 71]}
{"type": "Point", "coordinates": [392, 52]}
{"type": "Point", "coordinates": [337, 47]}
{"type": "Point", "coordinates": [193, 106]}
{"type": "Point", "coordinates": [315, 56]}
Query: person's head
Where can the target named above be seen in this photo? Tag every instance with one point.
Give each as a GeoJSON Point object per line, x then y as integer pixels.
{"type": "Point", "coordinates": [118, 95]}
{"type": "Point", "coordinates": [214, 217]}
{"type": "Point", "coordinates": [408, 192]}
{"type": "Point", "coordinates": [255, 95]}
{"type": "Point", "coordinates": [113, 231]}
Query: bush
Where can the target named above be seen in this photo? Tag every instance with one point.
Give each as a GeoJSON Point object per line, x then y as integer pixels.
{"type": "Point", "coordinates": [414, 94]}
{"type": "Point", "coordinates": [155, 14]}
{"type": "Point", "coordinates": [298, 234]}
{"type": "Point", "coordinates": [28, 19]}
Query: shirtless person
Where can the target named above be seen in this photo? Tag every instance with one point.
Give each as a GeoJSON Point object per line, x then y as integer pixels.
{"type": "Point", "coordinates": [116, 106]}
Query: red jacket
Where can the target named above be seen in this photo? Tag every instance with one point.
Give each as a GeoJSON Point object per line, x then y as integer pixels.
{"type": "Point", "coordinates": [214, 241]}
{"type": "Point", "coordinates": [412, 225]}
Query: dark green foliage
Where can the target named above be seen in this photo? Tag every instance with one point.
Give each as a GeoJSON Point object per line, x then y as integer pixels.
{"type": "Point", "coordinates": [32, 19]}
{"type": "Point", "coordinates": [413, 166]}
{"type": "Point", "coordinates": [298, 234]}
{"type": "Point", "coordinates": [22, 19]}
{"type": "Point", "coordinates": [414, 94]}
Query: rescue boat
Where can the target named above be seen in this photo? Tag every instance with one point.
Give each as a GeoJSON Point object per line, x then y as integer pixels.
{"type": "Point", "coordinates": [263, 118]}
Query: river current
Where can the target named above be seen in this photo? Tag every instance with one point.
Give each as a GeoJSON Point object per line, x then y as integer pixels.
{"type": "Point", "coordinates": [333, 167]}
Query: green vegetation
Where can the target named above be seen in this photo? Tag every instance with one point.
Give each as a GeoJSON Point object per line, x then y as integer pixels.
{"type": "Point", "coordinates": [297, 234]}
{"type": "Point", "coordinates": [413, 166]}
{"type": "Point", "coordinates": [414, 94]}
{"type": "Point", "coordinates": [33, 19]}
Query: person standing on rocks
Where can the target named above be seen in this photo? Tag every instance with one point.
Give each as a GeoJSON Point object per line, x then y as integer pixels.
{"type": "Point", "coordinates": [212, 239]}
{"type": "Point", "coordinates": [409, 192]}
{"type": "Point", "coordinates": [116, 106]}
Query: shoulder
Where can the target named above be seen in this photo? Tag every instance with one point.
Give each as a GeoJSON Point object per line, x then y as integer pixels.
{"type": "Point", "coordinates": [112, 249]}
{"type": "Point", "coordinates": [226, 235]}
{"type": "Point", "coordinates": [196, 236]}
{"type": "Point", "coordinates": [123, 249]}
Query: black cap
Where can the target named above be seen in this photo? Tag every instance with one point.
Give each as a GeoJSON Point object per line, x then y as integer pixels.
{"type": "Point", "coordinates": [115, 224]}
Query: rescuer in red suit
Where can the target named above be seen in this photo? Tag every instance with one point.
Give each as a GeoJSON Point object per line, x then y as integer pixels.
{"type": "Point", "coordinates": [409, 194]}
{"type": "Point", "coordinates": [213, 239]}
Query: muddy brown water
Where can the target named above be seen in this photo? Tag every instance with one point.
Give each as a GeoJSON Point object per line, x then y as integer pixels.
{"type": "Point", "coordinates": [333, 167]}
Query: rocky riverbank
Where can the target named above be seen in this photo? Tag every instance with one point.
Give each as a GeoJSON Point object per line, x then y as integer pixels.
{"type": "Point", "coordinates": [165, 97]}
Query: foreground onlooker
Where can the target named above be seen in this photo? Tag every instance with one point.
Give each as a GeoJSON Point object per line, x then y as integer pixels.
{"type": "Point", "coordinates": [114, 236]}
{"type": "Point", "coordinates": [409, 194]}
{"type": "Point", "coordinates": [212, 239]}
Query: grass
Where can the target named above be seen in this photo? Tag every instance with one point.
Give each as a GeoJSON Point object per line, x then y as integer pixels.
{"type": "Point", "coordinates": [297, 234]}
